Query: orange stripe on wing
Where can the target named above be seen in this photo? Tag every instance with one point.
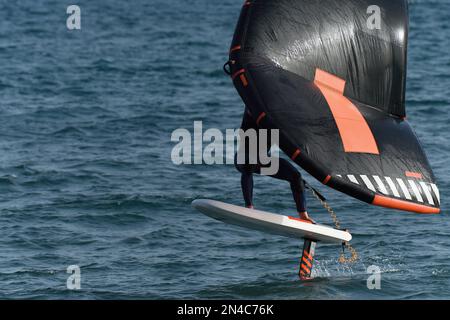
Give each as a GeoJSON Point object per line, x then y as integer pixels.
{"type": "Point", "coordinates": [326, 79]}
{"type": "Point", "coordinates": [236, 48]}
{"type": "Point", "coordinates": [244, 80]}
{"type": "Point", "coordinates": [327, 179]}
{"type": "Point", "coordinates": [260, 117]}
{"type": "Point", "coordinates": [403, 205]}
{"type": "Point", "coordinates": [296, 154]}
{"type": "Point", "coordinates": [237, 73]}
{"type": "Point", "coordinates": [414, 174]}
{"type": "Point", "coordinates": [241, 75]}
{"type": "Point", "coordinates": [355, 132]}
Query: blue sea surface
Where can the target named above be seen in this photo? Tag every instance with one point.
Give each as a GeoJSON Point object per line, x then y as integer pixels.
{"type": "Point", "coordinates": [86, 176]}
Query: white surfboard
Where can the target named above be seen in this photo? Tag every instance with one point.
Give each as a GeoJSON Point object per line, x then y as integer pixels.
{"type": "Point", "coordinates": [269, 222]}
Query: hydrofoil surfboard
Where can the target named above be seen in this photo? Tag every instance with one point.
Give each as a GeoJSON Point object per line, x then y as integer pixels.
{"type": "Point", "coordinates": [275, 224]}
{"type": "Point", "coordinates": [269, 222]}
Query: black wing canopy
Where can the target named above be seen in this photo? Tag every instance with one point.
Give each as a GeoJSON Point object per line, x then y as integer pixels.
{"type": "Point", "coordinates": [334, 85]}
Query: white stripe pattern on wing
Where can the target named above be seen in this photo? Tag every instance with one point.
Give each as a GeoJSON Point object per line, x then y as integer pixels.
{"type": "Point", "coordinates": [368, 183]}
{"type": "Point", "coordinates": [416, 190]}
{"type": "Point", "coordinates": [436, 192]}
{"type": "Point", "coordinates": [381, 185]}
{"type": "Point", "coordinates": [404, 189]}
{"type": "Point", "coordinates": [427, 190]}
{"type": "Point", "coordinates": [393, 187]}
{"type": "Point", "coordinates": [352, 178]}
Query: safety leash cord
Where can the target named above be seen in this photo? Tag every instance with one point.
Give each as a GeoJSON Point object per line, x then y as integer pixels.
{"type": "Point", "coordinates": [337, 224]}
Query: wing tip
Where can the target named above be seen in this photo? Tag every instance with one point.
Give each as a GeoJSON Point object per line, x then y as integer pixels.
{"type": "Point", "coordinates": [391, 203]}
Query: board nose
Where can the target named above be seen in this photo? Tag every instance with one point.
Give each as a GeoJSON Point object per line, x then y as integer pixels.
{"type": "Point", "coordinates": [196, 203]}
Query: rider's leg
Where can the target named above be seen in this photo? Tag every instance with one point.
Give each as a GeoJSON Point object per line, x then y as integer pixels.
{"type": "Point", "coordinates": [246, 181]}
{"type": "Point", "coordinates": [289, 173]}
{"type": "Point", "coordinates": [247, 188]}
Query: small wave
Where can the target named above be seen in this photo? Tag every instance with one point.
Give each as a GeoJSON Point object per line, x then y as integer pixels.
{"type": "Point", "coordinates": [68, 131]}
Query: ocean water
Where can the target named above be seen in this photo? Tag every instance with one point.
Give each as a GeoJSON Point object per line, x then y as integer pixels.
{"type": "Point", "coordinates": [86, 178]}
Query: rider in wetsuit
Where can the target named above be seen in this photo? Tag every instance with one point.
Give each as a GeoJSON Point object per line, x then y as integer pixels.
{"type": "Point", "coordinates": [286, 172]}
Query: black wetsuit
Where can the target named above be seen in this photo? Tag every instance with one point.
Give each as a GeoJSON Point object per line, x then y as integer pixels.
{"type": "Point", "coordinates": [286, 170]}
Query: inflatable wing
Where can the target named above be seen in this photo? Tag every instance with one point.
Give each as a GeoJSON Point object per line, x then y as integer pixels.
{"type": "Point", "coordinates": [330, 75]}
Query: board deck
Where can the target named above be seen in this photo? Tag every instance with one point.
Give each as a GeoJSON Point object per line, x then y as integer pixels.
{"type": "Point", "coordinates": [269, 222]}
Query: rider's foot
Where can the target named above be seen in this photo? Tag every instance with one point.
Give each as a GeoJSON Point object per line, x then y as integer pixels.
{"type": "Point", "coordinates": [250, 207]}
{"type": "Point", "coordinates": [305, 216]}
